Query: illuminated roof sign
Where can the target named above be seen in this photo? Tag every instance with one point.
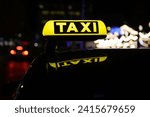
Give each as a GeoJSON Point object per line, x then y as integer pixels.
{"type": "Point", "coordinates": [74, 28]}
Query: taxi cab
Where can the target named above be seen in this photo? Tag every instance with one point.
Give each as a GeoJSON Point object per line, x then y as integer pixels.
{"type": "Point", "coordinates": [68, 69]}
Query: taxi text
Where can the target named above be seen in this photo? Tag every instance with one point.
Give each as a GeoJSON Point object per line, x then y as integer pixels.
{"type": "Point", "coordinates": [67, 63]}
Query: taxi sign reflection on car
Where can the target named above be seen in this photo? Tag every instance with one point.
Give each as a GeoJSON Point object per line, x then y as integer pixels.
{"type": "Point", "coordinates": [77, 29]}
{"type": "Point", "coordinates": [74, 28]}
{"type": "Point", "coordinates": [67, 63]}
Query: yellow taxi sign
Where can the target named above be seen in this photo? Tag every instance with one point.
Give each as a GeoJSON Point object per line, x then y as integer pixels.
{"type": "Point", "coordinates": [74, 28]}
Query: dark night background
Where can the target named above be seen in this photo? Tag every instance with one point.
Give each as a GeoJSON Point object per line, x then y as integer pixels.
{"type": "Point", "coordinates": [25, 15]}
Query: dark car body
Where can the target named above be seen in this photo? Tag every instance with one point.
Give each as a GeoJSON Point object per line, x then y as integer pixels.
{"type": "Point", "coordinates": [122, 75]}
{"type": "Point", "coordinates": [65, 71]}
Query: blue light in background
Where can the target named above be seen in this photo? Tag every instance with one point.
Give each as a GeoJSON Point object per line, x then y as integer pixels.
{"type": "Point", "coordinates": [115, 29]}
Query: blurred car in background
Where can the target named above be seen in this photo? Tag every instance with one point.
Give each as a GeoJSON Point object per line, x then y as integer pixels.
{"type": "Point", "coordinates": [21, 50]}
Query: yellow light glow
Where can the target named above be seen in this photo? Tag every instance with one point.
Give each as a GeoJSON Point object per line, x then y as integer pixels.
{"type": "Point", "coordinates": [13, 52]}
{"type": "Point", "coordinates": [19, 48]}
{"type": "Point", "coordinates": [25, 53]}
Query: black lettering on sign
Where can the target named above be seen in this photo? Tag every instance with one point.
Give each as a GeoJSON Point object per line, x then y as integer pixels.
{"type": "Point", "coordinates": [62, 27]}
